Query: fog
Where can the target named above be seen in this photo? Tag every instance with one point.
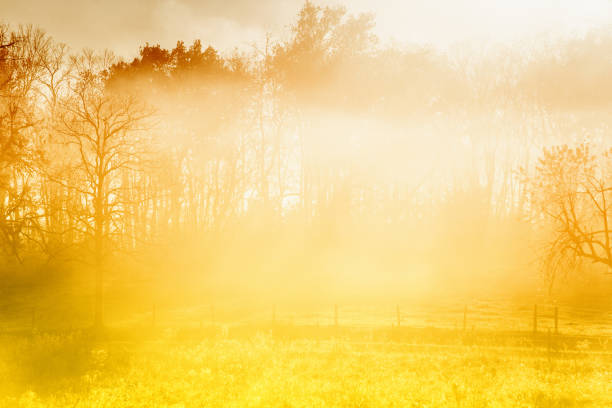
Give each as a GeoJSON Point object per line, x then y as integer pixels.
{"type": "Point", "coordinates": [320, 163]}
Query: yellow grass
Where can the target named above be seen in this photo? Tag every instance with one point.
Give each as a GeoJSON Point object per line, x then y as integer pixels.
{"type": "Point", "coordinates": [263, 371]}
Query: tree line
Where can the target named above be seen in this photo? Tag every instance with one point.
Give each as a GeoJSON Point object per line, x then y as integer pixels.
{"type": "Point", "coordinates": [326, 139]}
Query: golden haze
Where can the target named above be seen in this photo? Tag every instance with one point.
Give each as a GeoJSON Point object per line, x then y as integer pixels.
{"type": "Point", "coordinates": [317, 216]}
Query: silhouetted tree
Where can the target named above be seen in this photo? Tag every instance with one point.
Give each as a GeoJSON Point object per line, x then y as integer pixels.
{"type": "Point", "coordinates": [572, 191]}
{"type": "Point", "coordinates": [20, 71]}
{"type": "Point", "coordinates": [103, 132]}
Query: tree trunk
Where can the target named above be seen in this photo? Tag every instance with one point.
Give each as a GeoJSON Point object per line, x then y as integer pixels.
{"type": "Point", "coordinates": [99, 255]}
{"type": "Point", "coordinates": [99, 281]}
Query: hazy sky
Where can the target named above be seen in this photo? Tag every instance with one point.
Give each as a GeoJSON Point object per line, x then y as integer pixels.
{"type": "Point", "coordinates": [123, 25]}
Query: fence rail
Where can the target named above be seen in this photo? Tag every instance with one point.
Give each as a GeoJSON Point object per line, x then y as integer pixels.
{"type": "Point", "coordinates": [510, 317]}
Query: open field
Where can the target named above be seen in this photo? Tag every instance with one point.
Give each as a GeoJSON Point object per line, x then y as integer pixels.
{"type": "Point", "coordinates": [298, 357]}
{"type": "Point", "coordinates": [295, 355]}
{"type": "Point", "coordinates": [262, 370]}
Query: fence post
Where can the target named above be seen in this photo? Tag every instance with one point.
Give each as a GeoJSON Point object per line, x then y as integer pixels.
{"type": "Point", "coordinates": [556, 320]}
{"type": "Point", "coordinates": [549, 343]}
{"type": "Point", "coordinates": [535, 319]}
{"type": "Point", "coordinates": [336, 315]}
{"type": "Point", "coordinates": [399, 316]}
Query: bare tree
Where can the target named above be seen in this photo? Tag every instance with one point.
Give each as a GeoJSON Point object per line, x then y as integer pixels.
{"type": "Point", "coordinates": [572, 194]}
{"type": "Point", "coordinates": [20, 71]}
{"type": "Point", "coordinates": [103, 132]}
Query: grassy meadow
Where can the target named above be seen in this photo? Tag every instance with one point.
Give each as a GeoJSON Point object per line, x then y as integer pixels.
{"type": "Point", "coordinates": [70, 371]}
{"type": "Point", "coordinates": [307, 361]}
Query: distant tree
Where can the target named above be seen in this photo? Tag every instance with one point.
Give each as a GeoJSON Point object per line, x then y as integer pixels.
{"type": "Point", "coordinates": [146, 74]}
{"type": "Point", "coordinates": [202, 99]}
{"type": "Point", "coordinates": [581, 65]}
{"type": "Point", "coordinates": [571, 192]}
{"type": "Point", "coordinates": [324, 40]}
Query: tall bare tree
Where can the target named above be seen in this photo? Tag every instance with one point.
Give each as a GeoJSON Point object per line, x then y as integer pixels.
{"type": "Point", "coordinates": [103, 132]}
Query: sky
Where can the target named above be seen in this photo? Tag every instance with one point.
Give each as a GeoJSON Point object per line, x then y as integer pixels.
{"type": "Point", "coordinates": [124, 25]}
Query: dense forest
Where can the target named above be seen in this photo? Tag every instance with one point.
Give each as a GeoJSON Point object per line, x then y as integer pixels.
{"type": "Point", "coordinates": [324, 163]}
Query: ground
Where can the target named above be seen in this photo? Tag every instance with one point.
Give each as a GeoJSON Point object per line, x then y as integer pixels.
{"type": "Point", "coordinates": [230, 355]}
{"type": "Point", "coordinates": [289, 366]}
